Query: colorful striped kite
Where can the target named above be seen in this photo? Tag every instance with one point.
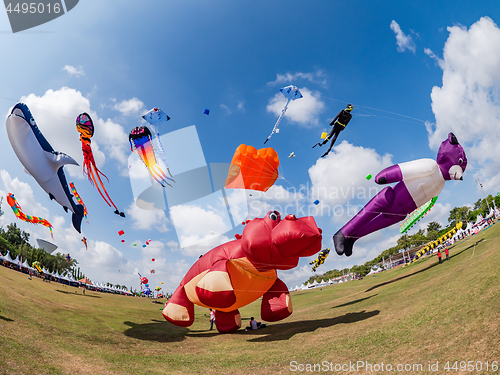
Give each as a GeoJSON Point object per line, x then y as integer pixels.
{"type": "Point", "coordinates": [79, 200]}
{"type": "Point", "coordinates": [11, 200]}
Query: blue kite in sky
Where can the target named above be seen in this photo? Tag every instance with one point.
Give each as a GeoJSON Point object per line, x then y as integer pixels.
{"type": "Point", "coordinates": [291, 93]}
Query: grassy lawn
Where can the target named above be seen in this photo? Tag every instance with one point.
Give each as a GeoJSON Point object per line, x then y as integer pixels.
{"type": "Point", "coordinates": [422, 314]}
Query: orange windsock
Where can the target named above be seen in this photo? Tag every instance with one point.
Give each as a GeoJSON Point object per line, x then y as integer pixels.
{"type": "Point", "coordinates": [253, 169]}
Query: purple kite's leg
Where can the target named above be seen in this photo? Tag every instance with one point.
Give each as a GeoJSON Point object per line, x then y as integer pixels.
{"type": "Point", "coordinates": [389, 175]}
{"type": "Point", "coordinates": [386, 208]}
{"type": "Point", "coordinates": [380, 222]}
{"type": "Point", "coordinates": [379, 203]}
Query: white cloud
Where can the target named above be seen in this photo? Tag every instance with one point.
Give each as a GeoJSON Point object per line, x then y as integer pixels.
{"type": "Point", "coordinates": [284, 200]}
{"type": "Point", "coordinates": [317, 77]}
{"type": "Point", "coordinates": [431, 54]}
{"type": "Point", "coordinates": [200, 228]}
{"type": "Point", "coordinates": [468, 102]}
{"type": "Point", "coordinates": [131, 106]}
{"type": "Point", "coordinates": [113, 137]}
{"type": "Point", "coordinates": [340, 179]}
{"type": "Point", "coordinates": [303, 111]}
{"type": "Point", "coordinates": [55, 113]}
{"type": "Point", "coordinates": [194, 219]}
{"type": "Point", "coordinates": [154, 249]}
{"type": "Point", "coordinates": [148, 219]}
{"type": "Point", "coordinates": [403, 41]}
{"type": "Point", "coordinates": [173, 245]}
{"type": "Point", "coordinates": [203, 227]}
{"type": "Point", "coordinates": [226, 108]}
{"type": "Point", "coordinates": [439, 213]}
{"type": "Point", "coordinates": [77, 72]}
{"type": "Point", "coordinates": [297, 275]}
{"type": "Point", "coordinates": [240, 107]}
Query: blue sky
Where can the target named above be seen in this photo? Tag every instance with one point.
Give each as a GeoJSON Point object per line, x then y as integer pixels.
{"type": "Point", "coordinates": [413, 71]}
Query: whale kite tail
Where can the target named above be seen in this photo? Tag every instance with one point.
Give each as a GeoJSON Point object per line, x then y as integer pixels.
{"type": "Point", "coordinates": [77, 217]}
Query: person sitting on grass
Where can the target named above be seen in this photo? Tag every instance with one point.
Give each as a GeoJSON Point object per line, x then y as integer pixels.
{"type": "Point", "coordinates": [254, 324]}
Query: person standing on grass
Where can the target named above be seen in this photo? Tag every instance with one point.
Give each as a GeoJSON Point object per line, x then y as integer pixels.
{"type": "Point", "coordinates": [212, 319]}
{"type": "Point", "coordinates": [439, 256]}
{"type": "Point", "coordinates": [447, 254]}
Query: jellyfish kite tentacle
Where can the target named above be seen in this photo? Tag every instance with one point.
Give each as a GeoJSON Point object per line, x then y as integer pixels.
{"type": "Point", "coordinates": [156, 117]}
{"type": "Point", "coordinates": [142, 144]}
{"type": "Point", "coordinates": [145, 151]}
{"type": "Point", "coordinates": [85, 127]}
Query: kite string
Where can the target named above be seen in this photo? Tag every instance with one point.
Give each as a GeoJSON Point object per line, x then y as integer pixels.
{"type": "Point", "coordinates": [160, 146]}
{"type": "Point", "coordinates": [377, 109]}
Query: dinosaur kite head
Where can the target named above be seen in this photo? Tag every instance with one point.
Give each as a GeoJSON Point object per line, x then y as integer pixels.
{"type": "Point", "coordinates": [275, 243]}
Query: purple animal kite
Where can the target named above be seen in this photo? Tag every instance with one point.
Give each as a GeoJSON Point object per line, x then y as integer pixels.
{"type": "Point", "coordinates": [418, 182]}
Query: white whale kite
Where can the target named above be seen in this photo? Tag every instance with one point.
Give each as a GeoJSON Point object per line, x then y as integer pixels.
{"type": "Point", "coordinates": [40, 160]}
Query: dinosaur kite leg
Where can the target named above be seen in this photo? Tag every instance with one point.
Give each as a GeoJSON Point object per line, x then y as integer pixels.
{"type": "Point", "coordinates": [227, 322]}
{"type": "Point", "coordinates": [179, 309]}
{"type": "Point", "coordinates": [276, 303]}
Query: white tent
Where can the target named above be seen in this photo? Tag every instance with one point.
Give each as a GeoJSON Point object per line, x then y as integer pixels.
{"type": "Point", "coordinates": [469, 226]}
{"type": "Point", "coordinates": [314, 284]}
{"type": "Point", "coordinates": [8, 258]}
{"type": "Point", "coordinates": [71, 279]}
{"type": "Point", "coordinates": [26, 265]}
{"type": "Point", "coordinates": [17, 262]}
{"type": "Point", "coordinates": [490, 214]}
{"type": "Point", "coordinates": [479, 219]}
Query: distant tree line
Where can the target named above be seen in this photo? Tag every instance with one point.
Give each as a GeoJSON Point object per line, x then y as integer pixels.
{"type": "Point", "coordinates": [406, 241]}
{"type": "Point", "coordinates": [16, 241]}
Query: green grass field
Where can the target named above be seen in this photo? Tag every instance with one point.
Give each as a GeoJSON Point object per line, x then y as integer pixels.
{"type": "Point", "coordinates": [418, 315]}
